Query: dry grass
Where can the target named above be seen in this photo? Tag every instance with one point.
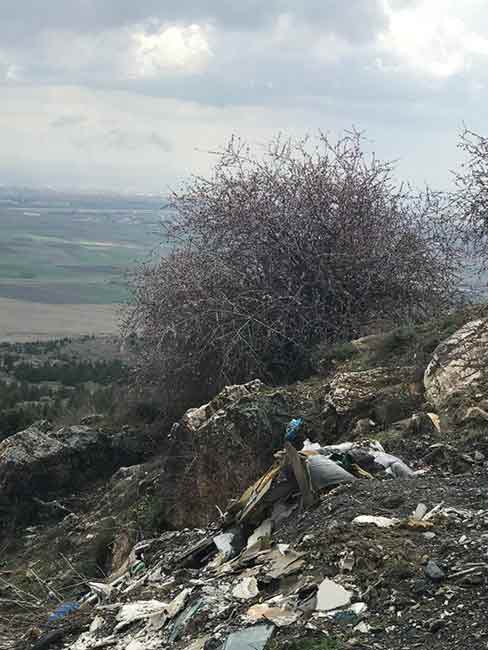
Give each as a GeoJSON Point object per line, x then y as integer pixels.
{"type": "Point", "coordinates": [22, 321]}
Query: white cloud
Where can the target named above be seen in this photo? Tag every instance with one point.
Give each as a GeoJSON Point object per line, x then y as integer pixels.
{"type": "Point", "coordinates": [123, 54]}
{"type": "Point", "coordinates": [432, 38]}
{"type": "Point", "coordinates": [171, 48]}
{"type": "Point", "coordinates": [93, 96]}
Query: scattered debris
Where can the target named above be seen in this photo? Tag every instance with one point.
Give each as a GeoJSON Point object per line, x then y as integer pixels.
{"type": "Point", "coordinates": [271, 565]}
{"type": "Point", "coordinates": [347, 561]}
{"type": "Point", "coordinates": [293, 429]}
{"type": "Point", "coordinates": [183, 619]}
{"type": "Point", "coordinates": [381, 522]}
{"type": "Point", "coordinates": [420, 511]}
{"type": "Point", "coordinates": [251, 638]}
{"type": "Point", "coordinates": [362, 627]}
{"type": "Point", "coordinates": [136, 611]}
{"type": "Point", "coordinates": [279, 616]}
{"type": "Point", "coordinates": [62, 611]}
{"type": "Point", "coordinates": [246, 589]}
{"type": "Point", "coordinates": [101, 589]}
{"type": "Point", "coordinates": [264, 530]}
{"type": "Point", "coordinates": [326, 473]}
{"type": "Point", "coordinates": [331, 595]}
{"type": "Point", "coordinates": [228, 543]}
{"type": "Point", "coordinates": [284, 564]}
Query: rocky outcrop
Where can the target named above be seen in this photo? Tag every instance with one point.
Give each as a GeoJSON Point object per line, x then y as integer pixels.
{"type": "Point", "coordinates": [239, 416]}
{"type": "Point", "coordinates": [382, 394]}
{"type": "Point", "coordinates": [36, 463]}
{"type": "Point", "coordinates": [207, 583]}
{"type": "Point", "coordinates": [222, 446]}
{"type": "Point", "coordinates": [458, 365]}
{"type": "Point", "coordinates": [195, 418]}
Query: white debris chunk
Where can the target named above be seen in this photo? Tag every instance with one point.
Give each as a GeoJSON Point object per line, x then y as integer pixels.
{"type": "Point", "coordinates": [263, 530]}
{"type": "Point", "coordinates": [279, 616]}
{"type": "Point", "coordinates": [246, 589]}
{"type": "Point", "coordinates": [137, 611]}
{"type": "Point", "coordinates": [331, 595]}
{"type": "Point", "coordinates": [381, 522]}
{"type": "Point", "coordinates": [420, 511]}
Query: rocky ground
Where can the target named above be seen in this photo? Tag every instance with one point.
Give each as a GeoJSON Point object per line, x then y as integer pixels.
{"type": "Point", "coordinates": [113, 540]}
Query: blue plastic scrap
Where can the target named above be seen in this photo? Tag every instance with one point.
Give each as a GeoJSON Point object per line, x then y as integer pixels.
{"type": "Point", "coordinates": [62, 611]}
{"type": "Point", "coordinates": [293, 428]}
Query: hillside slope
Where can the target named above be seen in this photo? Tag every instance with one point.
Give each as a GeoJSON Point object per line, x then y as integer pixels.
{"type": "Point", "coordinates": [154, 555]}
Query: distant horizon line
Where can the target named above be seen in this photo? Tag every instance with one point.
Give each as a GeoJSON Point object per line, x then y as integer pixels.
{"type": "Point", "coordinates": [5, 187]}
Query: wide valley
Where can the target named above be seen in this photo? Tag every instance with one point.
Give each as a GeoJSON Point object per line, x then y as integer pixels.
{"type": "Point", "coordinates": [65, 260]}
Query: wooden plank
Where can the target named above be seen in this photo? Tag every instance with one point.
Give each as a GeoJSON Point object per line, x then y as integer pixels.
{"type": "Point", "coordinates": [301, 475]}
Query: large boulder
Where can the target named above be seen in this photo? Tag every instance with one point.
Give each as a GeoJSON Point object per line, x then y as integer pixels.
{"type": "Point", "coordinates": [37, 464]}
{"type": "Point", "coordinates": [383, 394]}
{"type": "Point", "coordinates": [246, 416]}
{"type": "Point", "coordinates": [223, 446]}
{"type": "Point", "coordinates": [458, 366]}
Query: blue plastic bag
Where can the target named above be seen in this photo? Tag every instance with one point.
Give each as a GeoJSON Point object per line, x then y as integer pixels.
{"type": "Point", "coordinates": [293, 428]}
{"type": "Point", "coordinates": [62, 611]}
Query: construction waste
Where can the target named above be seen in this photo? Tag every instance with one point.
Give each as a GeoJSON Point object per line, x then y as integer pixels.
{"type": "Point", "coordinates": [234, 586]}
{"type": "Point", "coordinates": [380, 543]}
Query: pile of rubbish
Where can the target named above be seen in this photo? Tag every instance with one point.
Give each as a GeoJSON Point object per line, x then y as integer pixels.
{"type": "Point", "coordinates": [342, 546]}
{"type": "Point", "coordinates": [232, 586]}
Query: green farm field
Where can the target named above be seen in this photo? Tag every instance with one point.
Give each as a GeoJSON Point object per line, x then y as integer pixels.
{"type": "Point", "coordinates": [63, 251]}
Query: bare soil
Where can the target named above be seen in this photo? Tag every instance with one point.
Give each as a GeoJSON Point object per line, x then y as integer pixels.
{"type": "Point", "coordinates": [22, 321]}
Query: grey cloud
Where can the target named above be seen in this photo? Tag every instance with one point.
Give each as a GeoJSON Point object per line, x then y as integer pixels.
{"type": "Point", "coordinates": [248, 67]}
{"type": "Point", "coordinates": [158, 141]}
{"type": "Point", "coordinates": [356, 19]}
{"type": "Point", "coordinates": [318, 70]}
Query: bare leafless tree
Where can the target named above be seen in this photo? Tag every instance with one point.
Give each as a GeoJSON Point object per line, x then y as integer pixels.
{"type": "Point", "coordinates": [309, 241]}
{"type": "Point", "coordinates": [471, 197]}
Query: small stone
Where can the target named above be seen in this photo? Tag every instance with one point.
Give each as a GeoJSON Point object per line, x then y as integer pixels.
{"type": "Point", "coordinates": [362, 627]}
{"type": "Point", "coordinates": [420, 587]}
{"type": "Point", "coordinates": [479, 456]}
{"type": "Point", "coordinates": [434, 572]}
{"type": "Point", "coordinates": [435, 626]}
{"type": "Point", "coordinates": [429, 535]}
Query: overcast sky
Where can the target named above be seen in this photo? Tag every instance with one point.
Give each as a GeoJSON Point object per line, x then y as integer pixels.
{"type": "Point", "coordinates": [131, 94]}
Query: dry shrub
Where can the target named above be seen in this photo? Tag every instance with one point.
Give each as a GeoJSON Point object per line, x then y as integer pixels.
{"type": "Point", "coordinates": [470, 200]}
{"type": "Point", "coordinates": [310, 241]}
